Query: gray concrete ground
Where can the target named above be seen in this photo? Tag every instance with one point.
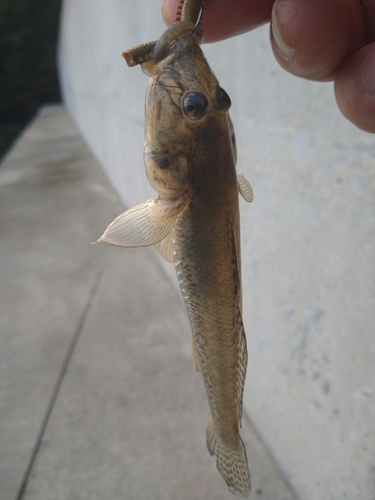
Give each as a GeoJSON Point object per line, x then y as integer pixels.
{"type": "Point", "coordinates": [98, 395]}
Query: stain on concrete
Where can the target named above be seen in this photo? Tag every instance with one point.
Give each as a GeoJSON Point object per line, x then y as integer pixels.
{"type": "Point", "coordinates": [299, 336]}
{"type": "Point", "coordinates": [326, 387]}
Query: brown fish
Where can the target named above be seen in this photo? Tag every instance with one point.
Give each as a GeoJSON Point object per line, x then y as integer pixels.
{"type": "Point", "coordinates": [190, 158]}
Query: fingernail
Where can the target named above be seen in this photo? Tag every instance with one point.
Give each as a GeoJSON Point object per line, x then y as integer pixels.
{"type": "Point", "coordinates": [367, 75]}
{"type": "Point", "coordinates": [288, 52]}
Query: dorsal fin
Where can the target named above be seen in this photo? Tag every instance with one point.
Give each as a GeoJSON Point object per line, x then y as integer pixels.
{"type": "Point", "coordinates": [235, 257]}
{"type": "Point", "coordinates": [241, 337]}
{"type": "Point", "coordinates": [241, 366]}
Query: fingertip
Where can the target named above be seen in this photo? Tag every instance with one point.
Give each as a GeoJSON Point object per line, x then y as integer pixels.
{"type": "Point", "coordinates": [311, 39]}
{"type": "Point", "coordinates": [225, 18]}
{"type": "Point", "coordinates": [168, 11]}
{"type": "Point", "coordinates": [355, 89]}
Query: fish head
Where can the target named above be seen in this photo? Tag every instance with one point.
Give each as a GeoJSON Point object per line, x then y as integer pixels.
{"type": "Point", "coordinates": [182, 97]}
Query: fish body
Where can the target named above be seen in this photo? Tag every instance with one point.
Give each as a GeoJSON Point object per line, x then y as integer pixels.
{"type": "Point", "coordinates": [190, 160]}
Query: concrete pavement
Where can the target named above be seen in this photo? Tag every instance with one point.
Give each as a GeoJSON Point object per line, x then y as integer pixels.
{"type": "Point", "coordinates": [98, 395]}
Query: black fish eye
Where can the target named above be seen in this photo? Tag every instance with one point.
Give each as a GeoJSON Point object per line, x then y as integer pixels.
{"type": "Point", "coordinates": [223, 99]}
{"type": "Point", "coordinates": [194, 105]}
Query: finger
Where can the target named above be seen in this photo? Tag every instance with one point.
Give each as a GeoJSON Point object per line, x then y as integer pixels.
{"type": "Point", "coordinates": [225, 18]}
{"type": "Point", "coordinates": [368, 7]}
{"type": "Point", "coordinates": [311, 39]}
{"type": "Point", "coordinates": [355, 88]}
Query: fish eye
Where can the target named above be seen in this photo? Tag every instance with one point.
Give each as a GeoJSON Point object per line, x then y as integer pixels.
{"type": "Point", "coordinates": [194, 105]}
{"type": "Point", "coordinates": [223, 99]}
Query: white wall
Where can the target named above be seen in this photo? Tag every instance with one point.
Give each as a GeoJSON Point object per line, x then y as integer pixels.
{"type": "Point", "coordinates": [308, 239]}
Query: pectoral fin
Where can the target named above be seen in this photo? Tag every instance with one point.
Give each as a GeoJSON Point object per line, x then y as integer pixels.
{"type": "Point", "coordinates": [244, 188]}
{"type": "Point", "coordinates": [143, 225]}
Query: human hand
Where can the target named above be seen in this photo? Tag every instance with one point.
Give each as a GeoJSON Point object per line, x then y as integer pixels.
{"type": "Point", "coordinates": [322, 41]}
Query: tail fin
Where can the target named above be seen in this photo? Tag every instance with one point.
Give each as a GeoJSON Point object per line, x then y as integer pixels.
{"type": "Point", "coordinates": [232, 465]}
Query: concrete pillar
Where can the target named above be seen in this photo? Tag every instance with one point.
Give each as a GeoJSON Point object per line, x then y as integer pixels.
{"type": "Point", "coordinates": [308, 239]}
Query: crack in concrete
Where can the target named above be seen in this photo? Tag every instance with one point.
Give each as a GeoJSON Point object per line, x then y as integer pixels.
{"type": "Point", "coordinates": [57, 386]}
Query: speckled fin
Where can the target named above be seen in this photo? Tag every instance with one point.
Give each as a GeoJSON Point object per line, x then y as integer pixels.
{"type": "Point", "coordinates": [232, 464]}
{"type": "Point", "coordinates": [242, 349]}
{"type": "Point", "coordinates": [143, 225]}
{"type": "Point", "coordinates": [233, 467]}
{"type": "Point", "coordinates": [244, 188]}
{"type": "Point", "coordinates": [241, 367]}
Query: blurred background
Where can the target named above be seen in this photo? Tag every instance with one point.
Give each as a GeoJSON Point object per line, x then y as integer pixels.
{"type": "Point", "coordinates": [28, 73]}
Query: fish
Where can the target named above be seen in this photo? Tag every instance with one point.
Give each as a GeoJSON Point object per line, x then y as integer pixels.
{"type": "Point", "coordinates": [194, 223]}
